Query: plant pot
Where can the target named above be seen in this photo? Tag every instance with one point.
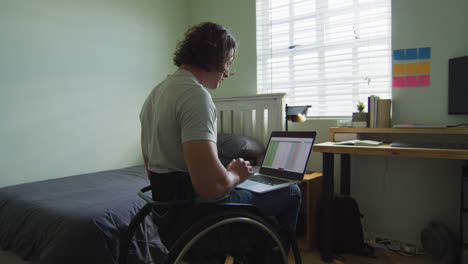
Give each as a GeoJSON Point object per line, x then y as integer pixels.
{"type": "Point", "coordinates": [360, 116]}
{"type": "Point", "coordinates": [360, 119]}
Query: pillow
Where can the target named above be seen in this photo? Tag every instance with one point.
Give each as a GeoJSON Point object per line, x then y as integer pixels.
{"type": "Point", "coordinates": [232, 146]}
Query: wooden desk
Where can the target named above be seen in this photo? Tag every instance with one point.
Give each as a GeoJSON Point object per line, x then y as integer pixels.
{"type": "Point", "coordinates": [387, 150]}
{"type": "Point", "coordinates": [329, 149]}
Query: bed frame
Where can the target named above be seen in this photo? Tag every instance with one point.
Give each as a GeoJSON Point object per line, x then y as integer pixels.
{"type": "Point", "coordinates": [255, 116]}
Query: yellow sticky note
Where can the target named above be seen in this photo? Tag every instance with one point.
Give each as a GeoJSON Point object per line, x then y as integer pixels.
{"type": "Point", "coordinates": [411, 68]}
{"type": "Point", "coordinates": [424, 67]}
{"type": "Point", "coordinates": [398, 69]}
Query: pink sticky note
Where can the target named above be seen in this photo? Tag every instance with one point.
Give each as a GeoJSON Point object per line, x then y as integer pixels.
{"type": "Point", "coordinates": [424, 80]}
{"type": "Point", "coordinates": [411, 80]}
{"type": "Point", "coordinates": [399, 81]}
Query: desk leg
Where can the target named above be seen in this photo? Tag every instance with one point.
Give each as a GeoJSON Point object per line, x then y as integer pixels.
{"type": "Point", "coordinates": [327, 203]}
{"type": "Point", "coordinates": [345, 185]}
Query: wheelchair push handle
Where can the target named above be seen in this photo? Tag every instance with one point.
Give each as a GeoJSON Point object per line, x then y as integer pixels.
{"type": "Point", "coordinates": [145, 197]}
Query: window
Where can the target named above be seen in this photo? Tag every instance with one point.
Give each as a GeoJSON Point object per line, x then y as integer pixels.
{"type": "Point", "coordinates": [326, 53]}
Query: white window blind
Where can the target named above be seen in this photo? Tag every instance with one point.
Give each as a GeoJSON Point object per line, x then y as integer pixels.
{"type": "Point", "coordinates": [325, 53]}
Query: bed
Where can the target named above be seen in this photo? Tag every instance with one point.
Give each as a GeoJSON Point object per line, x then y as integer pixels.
{"type": "Point", "coordinates": [79, 219]}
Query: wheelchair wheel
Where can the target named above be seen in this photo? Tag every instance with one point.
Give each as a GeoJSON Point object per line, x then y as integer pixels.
{"type": "Point", "coordinates": [237, 234]}
{"type": "Point", "coordinates": [131, 244]}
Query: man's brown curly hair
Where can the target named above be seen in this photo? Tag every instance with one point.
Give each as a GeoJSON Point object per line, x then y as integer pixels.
{"type": "Point", "coordinates": [207, 45]}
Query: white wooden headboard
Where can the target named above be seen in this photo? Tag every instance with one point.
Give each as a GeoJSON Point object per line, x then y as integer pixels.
{"type": "Point", "coordinates": [255, 116]}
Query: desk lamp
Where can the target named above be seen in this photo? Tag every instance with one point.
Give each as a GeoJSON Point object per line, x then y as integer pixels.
{"type": "Point", "coordinates": [296, 113]}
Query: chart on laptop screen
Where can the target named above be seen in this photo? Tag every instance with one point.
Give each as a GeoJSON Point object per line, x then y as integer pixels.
{"type": "Point", "coordinates": [288, 153]}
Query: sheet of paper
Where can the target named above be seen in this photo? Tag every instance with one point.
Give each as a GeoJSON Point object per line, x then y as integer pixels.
{"type": "Point", "coordinates": [399, 69]}
{"type": "Point", "coordinates": [411, 68]}
{"type": "Point", "coordinates": [399, 54]}
{"type": "Point", "coordinates": [425, 53]}
{"type": "Point", "coordinates": [424, 80]}
{"type": "Point", "coordinates": [411, 54]}
{"type": "Point", "coordinates": [424, 67]}
{"type": "Point", "coordinates": [399, 81]}
{"type": "Point", "coordinates": [411, 81]}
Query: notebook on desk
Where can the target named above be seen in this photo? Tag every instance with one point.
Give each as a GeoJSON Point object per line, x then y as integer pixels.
{"type": "Point", "coordinates": [285, 161]}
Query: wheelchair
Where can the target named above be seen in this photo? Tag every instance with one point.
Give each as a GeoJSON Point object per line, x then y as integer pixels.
{"type": "Point", "coordinates": [216, 233]}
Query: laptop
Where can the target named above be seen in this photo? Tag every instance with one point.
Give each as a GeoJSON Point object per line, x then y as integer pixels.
{"type": "Point", "coordinates": [285, 161]}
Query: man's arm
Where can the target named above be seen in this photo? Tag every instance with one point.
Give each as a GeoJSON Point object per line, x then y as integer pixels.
{"type": "Point", "coordinates": [209, 178]}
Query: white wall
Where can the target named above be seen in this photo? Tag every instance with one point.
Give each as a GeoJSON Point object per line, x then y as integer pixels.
{"type": "Point", "coordinates": [73, 76]}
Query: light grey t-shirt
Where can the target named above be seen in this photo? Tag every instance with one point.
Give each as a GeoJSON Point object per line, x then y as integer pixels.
{"type": "Point", "coordinates": [177, 110]}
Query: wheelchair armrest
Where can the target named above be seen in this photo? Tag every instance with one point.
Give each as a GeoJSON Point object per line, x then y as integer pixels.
{"type": "Point", "coordinates": [203, 207]}
{"type": "Point", "coordinates": [149, 200]}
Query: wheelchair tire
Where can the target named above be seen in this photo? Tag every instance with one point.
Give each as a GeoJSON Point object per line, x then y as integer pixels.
{"type": "Point", "coordinates": [128, 234]}
{"type": "Point", "coordinates": [219, 222]}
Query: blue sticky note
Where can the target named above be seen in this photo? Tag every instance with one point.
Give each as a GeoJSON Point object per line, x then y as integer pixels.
{"type": "Point", "coordinates": [411, 54]}
{"type": "Point", "coordinates": [424, 53]}
{"type": "Point", "coordinates": [399, 54]}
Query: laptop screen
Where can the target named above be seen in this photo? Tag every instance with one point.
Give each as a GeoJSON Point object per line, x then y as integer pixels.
{"type": "Point", "coordinates": [287, 154]}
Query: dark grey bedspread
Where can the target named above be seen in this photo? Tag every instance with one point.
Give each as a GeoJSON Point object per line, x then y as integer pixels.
{"type": "Point", "coordinates": [76, 219]}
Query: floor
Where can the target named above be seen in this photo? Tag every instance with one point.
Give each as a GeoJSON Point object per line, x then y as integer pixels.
{"type": "Point", "coordinates": [382, 257]}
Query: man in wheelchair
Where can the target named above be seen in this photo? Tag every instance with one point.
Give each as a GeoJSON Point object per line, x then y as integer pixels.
{"type": "Point", "coordinates": [178, 123]}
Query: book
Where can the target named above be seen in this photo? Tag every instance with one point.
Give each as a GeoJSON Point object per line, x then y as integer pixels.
{"type": "Point", "coordinates": [358, 142]}
{"type": "Point", "coordinates": [373, 109]}
{"type": "Point", "coordinates": [345, 136]}
{"type": "Point", "coordinates": [383, 114]}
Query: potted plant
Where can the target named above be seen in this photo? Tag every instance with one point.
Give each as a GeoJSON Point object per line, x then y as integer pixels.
{"type": "Point", "coordinates": [360, 117]}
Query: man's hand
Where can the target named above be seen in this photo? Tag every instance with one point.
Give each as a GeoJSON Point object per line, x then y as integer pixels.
{"type": "Point", "coordinates": [241, 168]}
{"type": "Point", "coordinates": [209, 177]}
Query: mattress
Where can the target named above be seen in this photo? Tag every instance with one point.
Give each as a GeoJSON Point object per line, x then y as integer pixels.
{"type": "Point", "coordinates": [77, 219]}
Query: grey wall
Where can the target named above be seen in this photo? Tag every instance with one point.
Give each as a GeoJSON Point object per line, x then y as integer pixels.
{"type": "Point", "coordinates": [73, 76]}
{"type": "Point", "coordinates": [398, 196]}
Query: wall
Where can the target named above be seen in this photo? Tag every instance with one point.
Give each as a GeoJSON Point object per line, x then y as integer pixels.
{"type": "Point", "coordinates": [73, 76]}
{"type": "Point", "coordinates": [398, 196]}
{"type": "Point", "coordinates": [401, 195]}
{"type": "Point", "coordinates": [440, 25]}
{"type": "Point", "coordinates": [239, 17]}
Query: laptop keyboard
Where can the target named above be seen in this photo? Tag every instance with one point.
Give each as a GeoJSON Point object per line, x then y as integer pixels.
{"type": "Point", "coordinates": [266, 180]}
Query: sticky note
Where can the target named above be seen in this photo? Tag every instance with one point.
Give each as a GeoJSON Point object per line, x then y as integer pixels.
{"type": "Point", "coordinates": [425, 53]}
{"type": "Point", "coordinates": [411, 68]}
{"type": "Point", "coordinates": [424, 67]}
{"type": "Point", "coordinates": [399, 81]}
{"type": "Point", "coordinates": [424, 80]}
{"type": "Point", "coordinates": [412, 80]}
{"type": "Point", "coordinates": [411, 54]}
{"type": "Point", "coordinates": [399, 54]}
{"type": "Point", "coordinates": [399, 69]}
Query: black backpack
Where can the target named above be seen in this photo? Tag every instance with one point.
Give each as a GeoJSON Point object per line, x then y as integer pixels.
{"type": "Point", "coordinates": [348, 237]}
